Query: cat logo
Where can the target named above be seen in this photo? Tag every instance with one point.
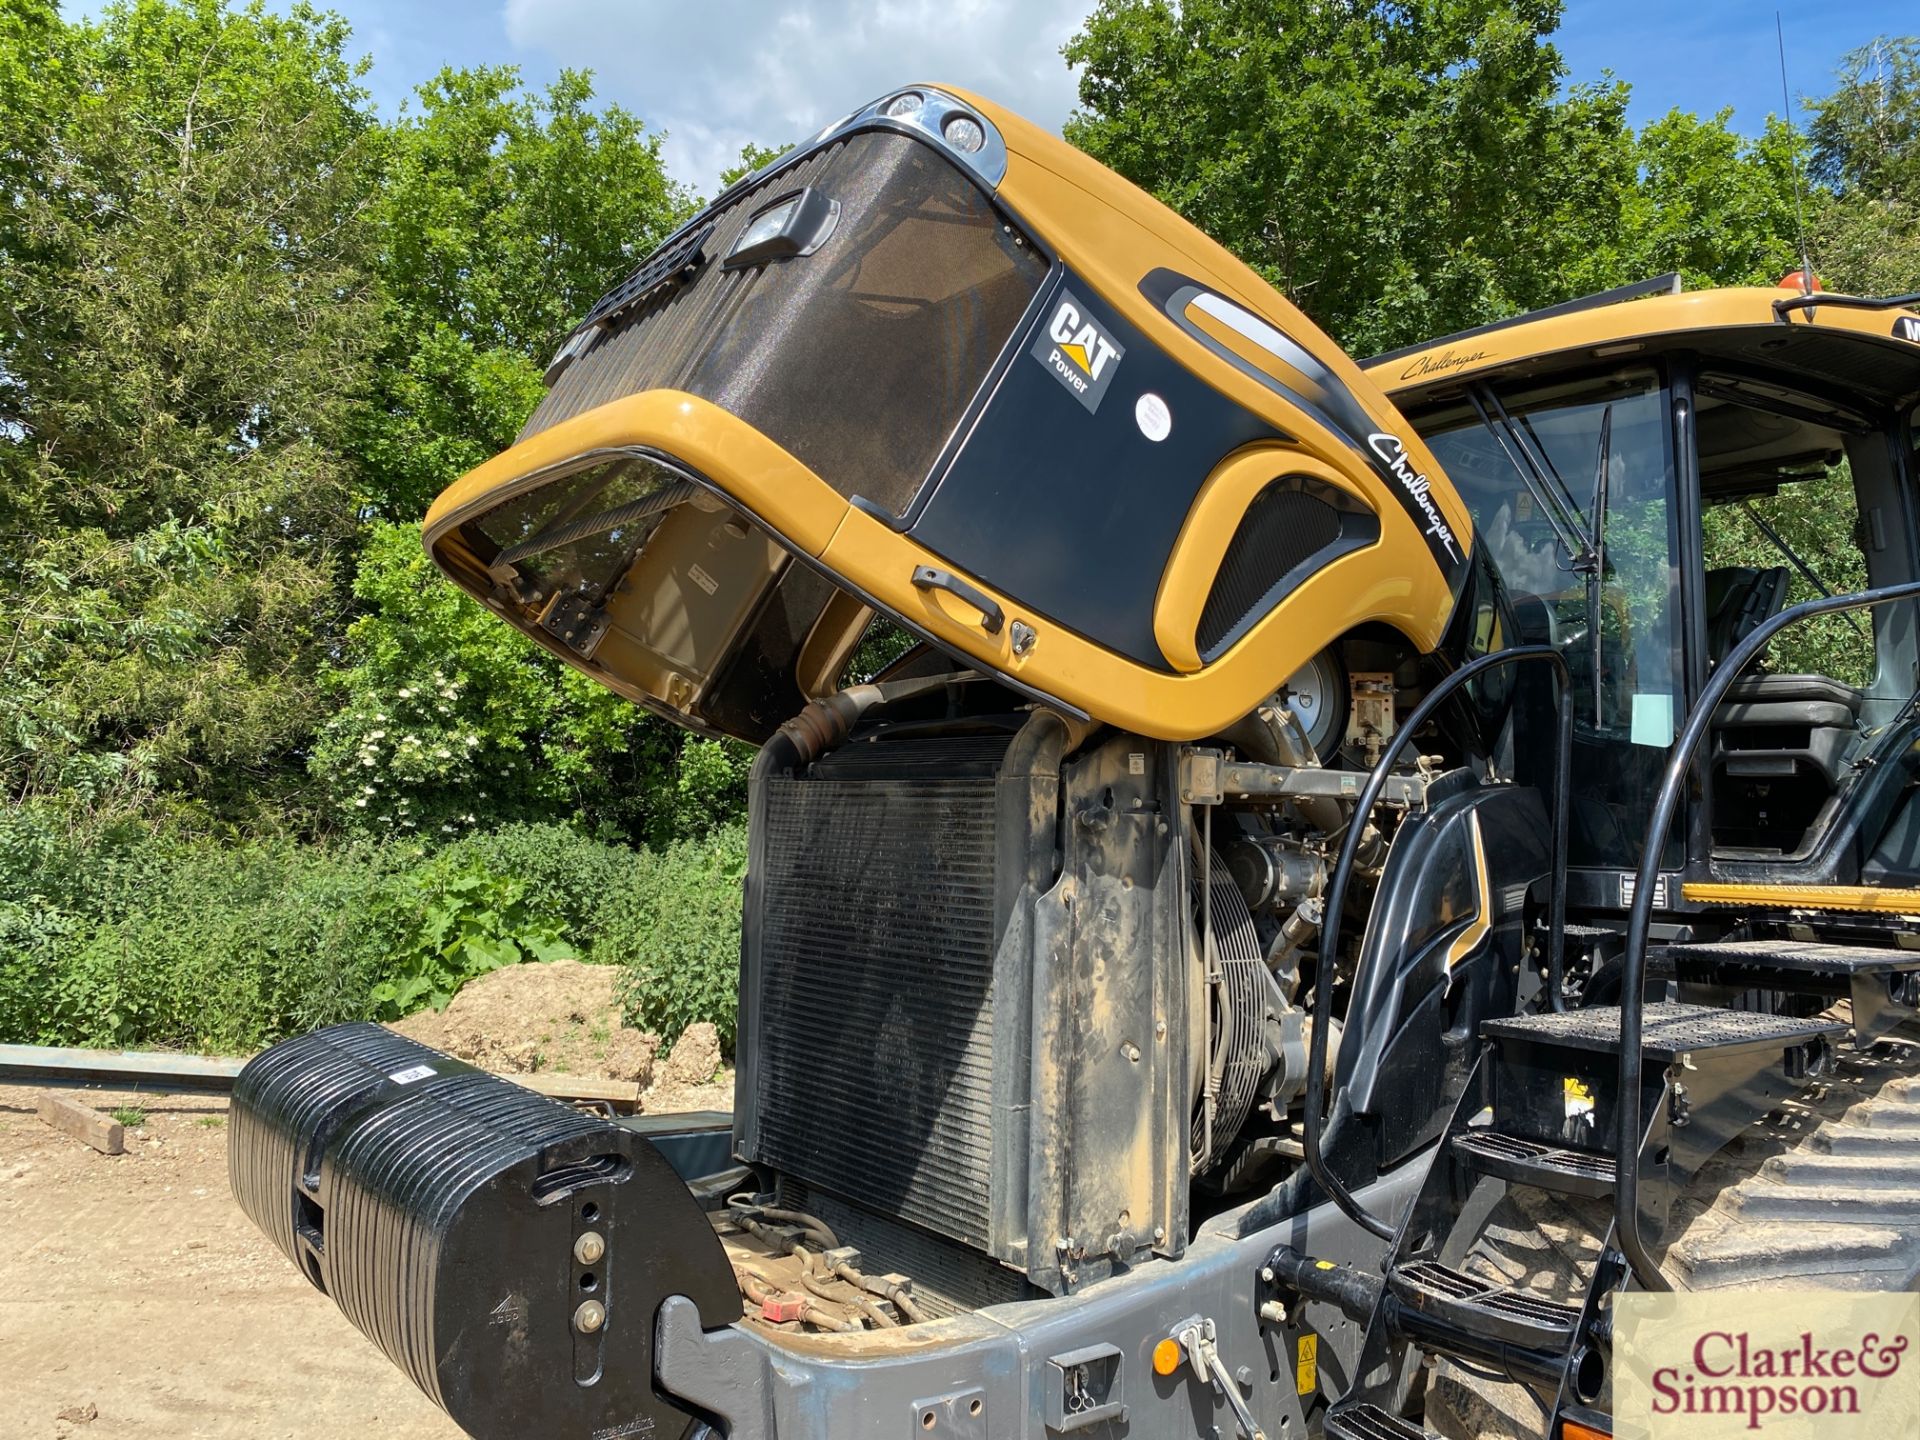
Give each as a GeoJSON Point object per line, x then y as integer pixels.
{"type": "Point", "coordinates": [1907, 327]}
{"type": "Point", "coordinates": [1078, 351]}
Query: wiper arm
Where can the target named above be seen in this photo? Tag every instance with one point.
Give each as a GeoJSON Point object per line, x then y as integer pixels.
{"type": "Point", "coordinates": [1526, 465]}
{"type": "Point", "coordinates": [1596, 569]}
{"type": "Point", "coordinates": [1793, 558]}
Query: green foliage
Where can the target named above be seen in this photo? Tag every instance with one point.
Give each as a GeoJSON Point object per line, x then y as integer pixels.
{"type": "Point", "coordinates": [131, 940]}
{"type": "Point", "coordinates": [1819, 519]}
{"type": "Point", "coordinates": [676, 928]}
{"type": "Point", "coordinates": [502, 216]}
{"type": "Point", "coordinates": [1866, 134]}
{"type": "Point", "coordinates": [447, 719]}
{"type": "Point", "coordinates": [183, 309]}
{"type": "Point", "coordinates": [752, 157]}
{"type": "Point", "coordinates": [1418, 168]}
{"type": "Point", "coordinates": [132, 1116]}
{"type": "Point", "coordinates": [461, 922]}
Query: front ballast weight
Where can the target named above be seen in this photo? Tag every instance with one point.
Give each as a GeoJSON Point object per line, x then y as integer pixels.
{"type": "Point", "coordinates": [507, 1252]}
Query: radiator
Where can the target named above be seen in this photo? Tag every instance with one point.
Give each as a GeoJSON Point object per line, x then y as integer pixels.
{"type": "Point", "coordinates": [874, 972]}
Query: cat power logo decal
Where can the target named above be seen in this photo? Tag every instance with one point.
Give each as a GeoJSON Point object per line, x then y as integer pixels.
{"type": "Point", "coordinates": [1077, 352]}
{"type": "Point", "coordinates": [1907, 327]}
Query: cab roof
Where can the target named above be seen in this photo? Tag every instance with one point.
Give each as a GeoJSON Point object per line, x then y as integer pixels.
{"type": "Point", "coordinates": [1868, 355]}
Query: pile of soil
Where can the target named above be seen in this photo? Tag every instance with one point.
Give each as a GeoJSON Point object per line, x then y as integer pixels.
{"type": "Point", "coordinates": [564, 1017]}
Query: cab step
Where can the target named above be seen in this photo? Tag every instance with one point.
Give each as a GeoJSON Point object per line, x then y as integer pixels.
{"type": "Point", "coordinates": [1521, 1161]}
{"type": "Point", "coordinates": [1668, 1030]}
{"type": "Point", "coordinates": [1367, 1421]}
{"type": "Point", "coordinates": [1483, 1309]}
{"type": "Point", "coordinates": [1883, 984]}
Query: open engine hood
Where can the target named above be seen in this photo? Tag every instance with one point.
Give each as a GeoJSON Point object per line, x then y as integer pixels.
{"type": "Point", "coordinates": [990, 391]}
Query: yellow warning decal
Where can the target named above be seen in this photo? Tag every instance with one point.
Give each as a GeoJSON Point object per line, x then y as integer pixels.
{"type": "Point", "coordinates": [1306, 1365]}
{"type": "Point", "coordinates": [1578, 1095]}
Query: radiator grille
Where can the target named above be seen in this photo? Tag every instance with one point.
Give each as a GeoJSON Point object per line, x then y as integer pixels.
{"type": "Point", "coordinates": [875, 906]}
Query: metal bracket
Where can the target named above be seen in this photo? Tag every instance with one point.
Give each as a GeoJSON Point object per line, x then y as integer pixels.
{"type": "Point", "coordinates": [1200, 776]}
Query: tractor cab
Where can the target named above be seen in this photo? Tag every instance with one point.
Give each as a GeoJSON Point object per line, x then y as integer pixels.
{"type": "Point", "coordinates": [1655, 475]}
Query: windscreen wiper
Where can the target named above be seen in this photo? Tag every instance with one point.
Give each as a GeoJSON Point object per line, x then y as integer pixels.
{"type": "Point", "coordinates": [1548, 494]}
{"type": "Point", "coordinates": [1793, 558]}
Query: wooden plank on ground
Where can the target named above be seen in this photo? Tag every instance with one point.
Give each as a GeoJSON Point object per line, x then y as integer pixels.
{"type": "Point", "coordinates": [70, 1117]}
{"type": "Point", "coordinates": [621, 1093]}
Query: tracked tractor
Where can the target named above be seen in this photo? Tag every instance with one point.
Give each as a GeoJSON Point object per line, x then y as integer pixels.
{"type": "Point", "coordinates": [1278, 888]}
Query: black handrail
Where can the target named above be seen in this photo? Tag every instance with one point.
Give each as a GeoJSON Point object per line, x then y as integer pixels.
{"type": "Point", "coordinates": [1781, 308]}
{"type": "Point", "coordinates": [1626, 1139]}
{"type": "Point", "coordinates": [1337, 894]}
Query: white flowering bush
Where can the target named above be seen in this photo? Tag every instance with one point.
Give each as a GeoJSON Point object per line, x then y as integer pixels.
{"type": "Point", "coordinates": [450, 720]}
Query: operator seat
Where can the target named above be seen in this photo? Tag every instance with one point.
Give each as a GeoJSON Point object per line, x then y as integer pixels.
{"type": "Point", "coordinates": [1740, 599]}
{"type": "Point", "coordinates": [1780, 742]}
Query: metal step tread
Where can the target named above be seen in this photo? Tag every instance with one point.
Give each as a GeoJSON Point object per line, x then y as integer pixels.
{"type": "Point", "coordinates": [1481, 1307]}
{"type": "Point", "coordinates": [1668, 1029]}
{"type": "Point", "coordinates": [1369, 1422]}
{"type": "Point", "coordinates": [1558, 1168]}
{"type": "Point", "coordinates": [1794, 956]}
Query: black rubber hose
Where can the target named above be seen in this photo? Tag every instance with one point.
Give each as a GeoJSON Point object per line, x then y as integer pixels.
{"type": "Point", "coordinates": [1633, 964]}
{"type": "Point", "coordinates": [1337, 893]}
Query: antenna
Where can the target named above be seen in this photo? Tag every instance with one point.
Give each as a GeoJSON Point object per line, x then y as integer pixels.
{"type": "Point", "coordinates": [1799, 197]}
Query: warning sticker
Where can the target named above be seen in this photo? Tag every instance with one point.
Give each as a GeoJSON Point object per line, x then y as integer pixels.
{"type": "Point", "coordinates": [1306, 1365]}
{"type": "Point", "coordinates": [1579, 1097]}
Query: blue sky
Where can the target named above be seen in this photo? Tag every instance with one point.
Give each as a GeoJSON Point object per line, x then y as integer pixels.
{"type": "Point", "coordinates": [718, 73]}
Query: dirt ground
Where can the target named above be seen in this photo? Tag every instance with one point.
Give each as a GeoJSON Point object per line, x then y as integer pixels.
{"type": "Point", "coordinates": [136, 1299]}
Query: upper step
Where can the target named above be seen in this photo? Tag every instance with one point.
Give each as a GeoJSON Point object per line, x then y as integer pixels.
{"type": "Point", "coordinates": [1795, 958]}
{"type": "Point", "coordinates": [1522, 1160]}
{"type": "Point", "coordinates": [1668, 1030]}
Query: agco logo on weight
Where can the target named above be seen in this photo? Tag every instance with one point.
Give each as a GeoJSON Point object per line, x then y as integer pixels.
{"type": "Point", "coordinates": [1077, 351]}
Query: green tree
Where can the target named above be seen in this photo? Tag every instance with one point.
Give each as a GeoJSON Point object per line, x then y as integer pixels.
{"type": "Point", "coordinates": [1866, 147]}
{"type": "Point", "coordinates": [1403, 170]}
{"type": "Point", "coordinates": [1866, 134]}
{"type": "Point", "coordinates": [502, 216]}
{"type": "Point", "coordinates": [1396, 170]}
{"type": "Point", "coordinates": [184, 315]}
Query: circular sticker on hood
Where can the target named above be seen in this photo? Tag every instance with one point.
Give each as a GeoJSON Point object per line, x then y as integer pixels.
{"type": "Point", "coordinates": [1154, 419]}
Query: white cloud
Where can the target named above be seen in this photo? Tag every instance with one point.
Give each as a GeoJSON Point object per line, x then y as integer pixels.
{"type": "Point", "coordinates": [719, 75]}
